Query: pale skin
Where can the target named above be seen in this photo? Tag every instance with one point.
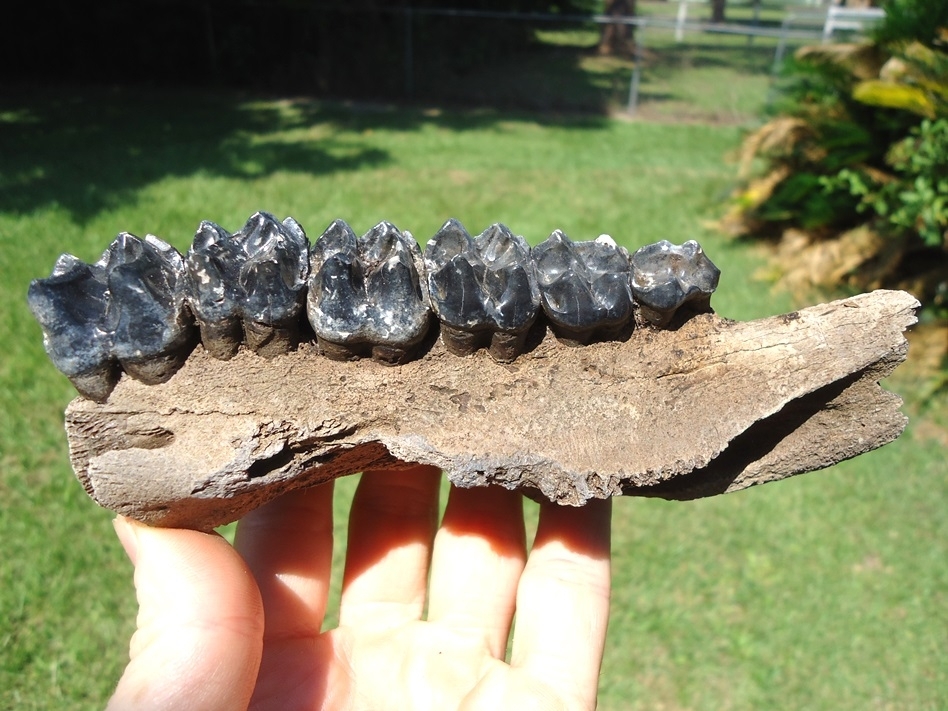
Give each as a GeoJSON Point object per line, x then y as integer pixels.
{"type": "Point", "coordinates": [424, 619]}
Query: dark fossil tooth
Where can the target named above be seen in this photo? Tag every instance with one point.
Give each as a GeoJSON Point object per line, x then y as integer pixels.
{"type": "Point", "coordinates": [365, 294]}
{"type": "Point", "coordinates": [127, 307]}
{"type": "Point", "coordinates": [584, 286]}
{"type": "Point", "coordinates": [482, 289]}
{"type": "Point", "coordinates": [666, 277]}
{"type": "Point", "coordinates": [70, 306]}
{"type": "Point", "coordinates": [152, 329]}
{"type": "Point", "coordinates": [249, 286]}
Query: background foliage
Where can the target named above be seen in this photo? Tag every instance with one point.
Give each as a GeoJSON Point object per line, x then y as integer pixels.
{"type": "Point", "coordinates": [860, 140]}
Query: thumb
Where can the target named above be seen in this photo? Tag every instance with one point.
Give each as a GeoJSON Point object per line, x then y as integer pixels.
{"type": "Point", "coordinates": [200, 623]}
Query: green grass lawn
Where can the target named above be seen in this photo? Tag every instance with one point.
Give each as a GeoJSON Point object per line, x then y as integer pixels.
{"type": "Point", "coordinates": [827, 591]}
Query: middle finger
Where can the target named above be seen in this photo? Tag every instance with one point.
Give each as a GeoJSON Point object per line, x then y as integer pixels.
{"type": "Point", "coordinates": [479, 554]}
{"type": "Point", "coordinates": [391, 527]}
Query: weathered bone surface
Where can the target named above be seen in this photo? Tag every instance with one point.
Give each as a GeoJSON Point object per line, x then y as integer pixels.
{"type": "Point", "coordinates": [710, 407]}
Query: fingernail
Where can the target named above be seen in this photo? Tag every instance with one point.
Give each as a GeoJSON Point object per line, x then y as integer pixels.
{"type": "Point", "coordinates": [127, 536]}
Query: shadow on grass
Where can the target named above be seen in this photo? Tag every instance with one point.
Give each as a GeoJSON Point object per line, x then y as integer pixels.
{"type": "Point", "coordinates": [86, 150]}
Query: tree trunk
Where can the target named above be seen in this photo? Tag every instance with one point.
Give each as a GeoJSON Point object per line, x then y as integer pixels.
{"type": "Point", "coordinates": [717, 10]}
{"type": "Point", "coordinates": [618, 38]}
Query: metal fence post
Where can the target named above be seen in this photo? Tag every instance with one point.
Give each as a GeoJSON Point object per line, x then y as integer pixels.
{"type": "Point", "coordinates": [637, 69]}
{"type": "Point", "coordinates": [680, 20]}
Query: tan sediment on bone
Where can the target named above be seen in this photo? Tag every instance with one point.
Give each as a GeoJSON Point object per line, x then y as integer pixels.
{"type": "Point", "coordinates": [711, 407]}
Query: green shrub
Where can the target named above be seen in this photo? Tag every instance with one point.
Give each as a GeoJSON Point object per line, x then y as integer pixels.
{"type": "Point", "coordinates": [861, 139]}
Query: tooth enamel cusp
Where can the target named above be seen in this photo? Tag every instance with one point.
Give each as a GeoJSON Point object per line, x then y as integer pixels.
{"type": "Point", "coordinates": [128, 309]}
{"type": "Point", "coordinates": [584, 286]}
{"type": "Point", "coordinates": [249, 287]}
{"type": "Point", "coordinates": [666, 277]}
{"type": "Point", "coordinates": [366, 295]}
{"type": "Point", "coordinates": [483, 290]}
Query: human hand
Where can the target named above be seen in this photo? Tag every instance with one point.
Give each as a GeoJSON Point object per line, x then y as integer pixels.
{"type": "Point", "coordinates": [404, 641]}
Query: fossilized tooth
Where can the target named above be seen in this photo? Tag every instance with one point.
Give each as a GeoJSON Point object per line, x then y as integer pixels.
{"type": "Point", "coordinates": [147, 315]}
{"type": "Point", "coordinates": [128, 307]}
{"type": "Point", "coordinates": [666, 277]}
{"type": "Point", "coordinates": [273, 283]}
{"type": "Point", "coordinates": [70, 306]}
{"type": "Point", "coordinates": [249, 286]}
{"type": "Point", "coordinates": [584, 286]}
{"type": "Point", "coordinates": [483, 290]}
{"type": "Point", "coordinates": [366, 294]}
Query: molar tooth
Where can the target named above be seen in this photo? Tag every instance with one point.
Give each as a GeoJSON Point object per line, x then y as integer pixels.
{"type": "Point", "coordinates": [249, 286]}
{"type": "Point", "coordinates": [70, 306]}
{"type": "Point", "coordinates": [482, 289]}
{"type": "Point", "coordinates": [152, 330]}
{"type": "Point", "coordinates": [666, 277]}
{"type": "Point", "coordinates": [128, 307]}
{"type": "Point", "coordinates": [584, 286]}
{"type": "Point", "coordinates": [273, 281]}
{"type": "Point", "coordinates": [213, 264]}
{"type": "Point", "coordinates": [365, 294]}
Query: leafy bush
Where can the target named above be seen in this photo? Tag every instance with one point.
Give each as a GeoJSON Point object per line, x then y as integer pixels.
{"type": "Point", "coordinates": [919, 20]}
{"type": "Point", "coordinates": [916, 200]}
{"type": "Point", "coordinates": [860, 140]}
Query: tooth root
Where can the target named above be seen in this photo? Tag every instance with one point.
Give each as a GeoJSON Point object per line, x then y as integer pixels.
{"type": "Point", "coordinates": [667, 279]}
{"type": "Point", "coordinates": [463, 342]}
{"type": "Point", "coordinates": [342, 351]}
{"type": "Point", "coordinates": [366, 296]}
{"type": "Point", "coordinates": [390, 355]}
{"type": "Point", "coordinates": [158, 368]}
{"type": "Point", "coordinates": [271, 341]}
{"type": "Point", "coordinates": [505, 347]}
{"type": "Point", "coordinates": [584, 287]}
{"type": "Point", "coordinates": [480, 288]}
{"type": "Point", "coordinates": [221, 339]}
{"type": "Point", "coordinates": [97, 385]}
